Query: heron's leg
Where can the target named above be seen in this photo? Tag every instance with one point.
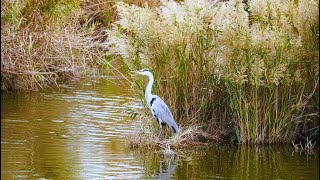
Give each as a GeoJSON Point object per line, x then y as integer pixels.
{"type": "Point", "coordinates": [160, 132]}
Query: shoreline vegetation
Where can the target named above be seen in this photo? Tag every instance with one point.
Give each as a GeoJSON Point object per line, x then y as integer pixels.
{"type": "Point", "coordinates": [246, 72]}
{"type": "Point", "coordinates": [233, 71]}
{"type": "Point", "coordinates": [45, 42]}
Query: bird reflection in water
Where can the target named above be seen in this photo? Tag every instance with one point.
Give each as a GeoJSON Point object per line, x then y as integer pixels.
{"type": "Point", "coordinates": [167, 166]}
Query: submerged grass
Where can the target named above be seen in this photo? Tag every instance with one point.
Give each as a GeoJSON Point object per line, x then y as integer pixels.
{"type": "Point", "coordinates": [247, 71]}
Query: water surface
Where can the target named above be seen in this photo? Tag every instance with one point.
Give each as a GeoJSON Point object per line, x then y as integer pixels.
{"type": "Point", "coordinates": [80, 132]}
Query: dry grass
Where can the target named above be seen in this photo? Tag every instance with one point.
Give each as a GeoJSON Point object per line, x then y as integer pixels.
{"type": "Point", "coordinates": [44, 42]}
{"type": "Point", "coordinates": [33, 59]}
{"type": "Point", "coordinates": [146, 135]}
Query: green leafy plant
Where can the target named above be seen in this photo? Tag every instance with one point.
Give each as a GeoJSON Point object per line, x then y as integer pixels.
{"type": "Point", "coordinates": [252, 68]}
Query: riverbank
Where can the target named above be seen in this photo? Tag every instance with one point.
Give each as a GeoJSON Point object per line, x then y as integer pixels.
{"type": "Point", "coordinates": [227, 69]}
{"type": "Point", "coordinates": [228, 66]}
{"type": "Point", "coordinates": [45, 42]}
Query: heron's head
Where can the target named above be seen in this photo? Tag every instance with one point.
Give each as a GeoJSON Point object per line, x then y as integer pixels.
{"type": "Point", "coordinates": [144, 71]}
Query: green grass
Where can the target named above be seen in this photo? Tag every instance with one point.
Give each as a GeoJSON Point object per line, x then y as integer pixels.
{"type": "Point", "coordinates": [246, 72]}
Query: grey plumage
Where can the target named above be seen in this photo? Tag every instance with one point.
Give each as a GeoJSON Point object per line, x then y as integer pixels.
{"type": "Point", "coordinates": [162, 113]}
{"type": "Point", "coordinates": [158, 107]}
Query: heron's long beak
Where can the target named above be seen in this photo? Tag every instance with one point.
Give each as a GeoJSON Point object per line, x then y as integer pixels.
{"type": "Point", "coordinates": [134, 73]}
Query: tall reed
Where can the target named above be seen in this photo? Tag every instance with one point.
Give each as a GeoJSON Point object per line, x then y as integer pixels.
{"type": "Point", "coordinates": [267, 63]}
{"type": "Point", "coordinates": [245, 71]}
{"type": "Point", "coordinates": [43, 42]}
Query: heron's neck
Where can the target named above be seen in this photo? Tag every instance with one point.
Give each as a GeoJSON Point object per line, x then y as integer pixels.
{"type": "Point", "coordinates": [149, 87]}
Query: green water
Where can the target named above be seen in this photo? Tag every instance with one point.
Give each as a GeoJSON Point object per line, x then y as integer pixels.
{"type": "Point", "coordinates": [80, 132]}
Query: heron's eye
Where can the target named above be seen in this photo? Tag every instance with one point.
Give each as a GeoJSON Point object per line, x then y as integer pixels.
{"type": "Point", "coordinates": [143, 70]}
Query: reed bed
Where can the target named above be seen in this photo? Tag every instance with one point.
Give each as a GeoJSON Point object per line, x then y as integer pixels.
{"type": "Point", "coordinates": [248, 70]}
{"type": "Point", "coordinates": [44, 42]}
{"type": "Point", "coordinates": [146, 135]}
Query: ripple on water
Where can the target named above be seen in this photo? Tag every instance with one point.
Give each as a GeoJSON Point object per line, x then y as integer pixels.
{"type": "Point", "coordinates": [81, 133]}
{"type": "Point", "coordinates": [75, 129]}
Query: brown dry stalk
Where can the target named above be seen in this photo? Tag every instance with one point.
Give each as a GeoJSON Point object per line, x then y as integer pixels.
{"type": "Point", "coordinates": [39, 48]}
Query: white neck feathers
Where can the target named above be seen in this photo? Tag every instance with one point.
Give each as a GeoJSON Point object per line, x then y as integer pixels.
{"type": "Point", "coordinates": [149, 87]}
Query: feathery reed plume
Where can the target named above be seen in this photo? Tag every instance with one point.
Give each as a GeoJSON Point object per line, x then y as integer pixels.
{"type": "Point", "coordinates": [243, 69]}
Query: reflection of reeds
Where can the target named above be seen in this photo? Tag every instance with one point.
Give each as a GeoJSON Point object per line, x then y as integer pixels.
{"type": "Point", "coordinates": [308, 146]}
{"type": "Point", "coordinates": [244, 71]}
{"type": "Point", "coordinates": [232, 162]}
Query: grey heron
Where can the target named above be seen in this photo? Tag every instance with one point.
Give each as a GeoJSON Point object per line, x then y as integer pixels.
{"type": "Point", "coordinates": [160, 111]}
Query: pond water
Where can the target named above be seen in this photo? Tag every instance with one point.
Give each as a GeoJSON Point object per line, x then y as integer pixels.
{"type": "Point", "coordinates": [80, 132]}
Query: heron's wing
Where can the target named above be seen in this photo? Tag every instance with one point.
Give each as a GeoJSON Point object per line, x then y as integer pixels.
{"type": "Point", "coordinates": [162, 112]}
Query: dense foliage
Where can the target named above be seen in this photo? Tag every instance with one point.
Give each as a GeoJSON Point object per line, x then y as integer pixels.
{"type": "Point", "coordinates": [246, 70]}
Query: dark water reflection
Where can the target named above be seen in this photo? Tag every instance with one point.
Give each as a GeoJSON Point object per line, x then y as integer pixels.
{"type": "Point", "coordinates": [230, 162]}
{"type": "Point", "coordinates": [80, 133]}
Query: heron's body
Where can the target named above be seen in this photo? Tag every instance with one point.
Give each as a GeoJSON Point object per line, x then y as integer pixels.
{"type": "Point", "coordinates": [158, 107]}
{"type": "Point", "coordinates": [161, 113]}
